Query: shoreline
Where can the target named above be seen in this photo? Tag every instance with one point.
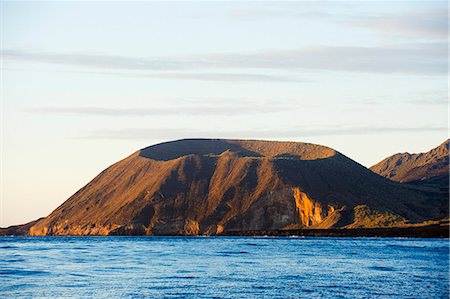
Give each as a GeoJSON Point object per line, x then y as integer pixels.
{"type": "Point", "coordinates": [432, 231]}
{"type": "Point", "coordinates": [429, 231]}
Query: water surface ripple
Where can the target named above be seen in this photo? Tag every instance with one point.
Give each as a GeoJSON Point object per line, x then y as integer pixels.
{"type": "Point", "coordinates": [223, 267]}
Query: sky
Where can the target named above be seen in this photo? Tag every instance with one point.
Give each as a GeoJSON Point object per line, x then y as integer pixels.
{"type": "Point", "coordinates": [85, 84]}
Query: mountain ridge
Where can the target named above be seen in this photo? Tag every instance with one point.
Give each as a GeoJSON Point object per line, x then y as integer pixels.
{"type": "Point", "coordinates": [406, 167]}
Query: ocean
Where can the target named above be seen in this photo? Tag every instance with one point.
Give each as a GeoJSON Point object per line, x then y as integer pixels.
{"type": "Point", "coordinates": [223, 267]}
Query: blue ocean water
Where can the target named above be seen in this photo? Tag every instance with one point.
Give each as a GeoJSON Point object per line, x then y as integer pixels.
{"type": "Point", "coordinates": [223, 267]}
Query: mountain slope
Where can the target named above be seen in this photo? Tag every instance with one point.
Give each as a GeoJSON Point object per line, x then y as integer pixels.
{"type": "Point", "coordinates": [406, 167]}
{"type": "Point", "coordinates": [212, 186]}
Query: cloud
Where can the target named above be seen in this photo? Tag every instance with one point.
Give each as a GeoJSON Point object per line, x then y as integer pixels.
{"type": "Point", "coordinates": [425, 24]}
{"type": "Point", "coordinates": [195, 109]}
{"type": "Point", "coordinates": [222, 77]}
{"type": "Point", "coordinates": [425, 58]}
{"type": "Point", "coordinates": [226, 77]}
{"type": "Point", "coordinates": [430, 101]}
{"type": "Point", "coordinates": [308, 10]}
{"type": "Point", "coordinates": [174, 133]}
{"type": "Point", "coordinates": [428, 23]}
{"type": "Point", "coordinates": [422, 102]}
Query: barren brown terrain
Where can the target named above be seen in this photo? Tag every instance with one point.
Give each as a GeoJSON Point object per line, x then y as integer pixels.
{"type": "Point", "coordinates": [214, 186]}
{"type": "Point", "coordinates": [406, 167]}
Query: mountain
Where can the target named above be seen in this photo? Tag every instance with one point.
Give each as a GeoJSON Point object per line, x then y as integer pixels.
{"type": "Point", "coordinates": [406, 167]}
{"type": "Point", "coordinates": [216, 186]}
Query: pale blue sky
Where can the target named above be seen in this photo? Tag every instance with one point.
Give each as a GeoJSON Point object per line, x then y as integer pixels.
{"type": "Point", "coordinates": [86, 84]}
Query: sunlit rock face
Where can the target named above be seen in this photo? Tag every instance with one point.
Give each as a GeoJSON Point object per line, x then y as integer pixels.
{"type": "Point", "coordinates": [215, 186]}
{"type": "Point", "coordinates": [311, 213]}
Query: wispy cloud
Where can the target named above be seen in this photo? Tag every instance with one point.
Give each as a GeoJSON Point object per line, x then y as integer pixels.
{"type": "Point", "coordinates": [428, 23]}
{"type": "Point", "coordinates": [196, 109]}
{"type": "Point", "coordinates": [425, 99]}
{"type": "Point", "coordinates": [288, 10]}
{"type": "Point", "coordinates": [430, 101]}
{"type": "Point", "coordinates": [232, 77]}
{"type": "Point", "coordinates": [225, 76]}
{"type": "Point", "coordinates": [426, 58]}
{"type": "Point", "coordinates": [425, 24]}
{"type": "Point", "coordinates": [173, 133]}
